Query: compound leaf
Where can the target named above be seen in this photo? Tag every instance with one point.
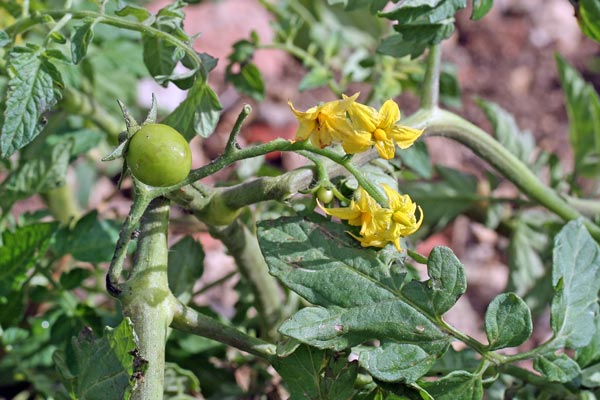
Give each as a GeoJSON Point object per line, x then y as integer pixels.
{"type": "Point", "coordinates": [320, 261]}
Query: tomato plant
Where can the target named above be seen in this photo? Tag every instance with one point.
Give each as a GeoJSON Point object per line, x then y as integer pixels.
{"type": "Point", "coordinates": [103, 288]}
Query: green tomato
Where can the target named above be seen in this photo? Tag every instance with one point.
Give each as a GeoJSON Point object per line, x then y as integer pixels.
{"type": "Point", "coordinates": [158, 155]}
{"type": "Point", "coordinates": [325, 195]}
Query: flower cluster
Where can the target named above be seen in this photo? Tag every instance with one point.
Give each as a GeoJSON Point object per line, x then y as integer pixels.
{"type": "Point", "coordinates": [380, 225]}
{"type": "Point", "coordinates": [356, 126]}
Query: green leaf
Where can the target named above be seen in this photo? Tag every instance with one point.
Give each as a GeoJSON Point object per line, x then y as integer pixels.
{"type": "Point", "coordinates": [507, 321]}
{"type": "Point", "coordinates": [248, 80]}
{"type": "Point", "coordinates": [456, 385]}
{"type": "Point", "coordinates": [32, 90]}
{"type": "Point", "coordinates": [481, 8]}
{"type": "Point", "coordinates": [420, 23]}
{"type": "Point", "coordinates": [583, 109]}
{"type": "Point", "coordinates": [446, 284]}
{"type": "Point", "coordinates": [91, 240]}
{"type": "Point", "coordinates": [74, 278]}
{"type": "Point", "coordinates": [186, 264]}
{"type": "Point", "coordinates": [454, 189]}
{"type": "Point", "coordinates": [309, 373]}
{"type": "Point", "coordinates": [301, 372]}
{"type": "Point", "coordinates": [19, 251]}
{"type": "Point", "coordinates": [519, 143]}
{"type": "Point", "coordinates": [83, 140]}
{"type": "Point", "coordinates": [339, 378]}
{"type": "Point", "coordinates": [12, 307]}
{"type": "Point", "coordinates": [37, 176]}
{"type": "Point", "coordinates": [198, 114]}
{"type": "Point", "coordinates": [100, 368]}
{"type": "Point", "coordinates": [316, 77]}
{"type": "Point", "coordinates": [588, 15]}
{"type": "Point", "coordinates": [413, 40]}
{"type": "Point", "coordinates": [424, 11]}
{"type": "Point", "coordinates": [80, 41]}
{"type": "Point", "coordinates": [320, 261]}
{"type": "Point", "coordinates": [557, 368]}
{"type": "Point", "coordinates": [576, 282]}
{"type": "Point", "coordinates": [161, 56]}
{"type": "Point", "coordinates": [396, 362]}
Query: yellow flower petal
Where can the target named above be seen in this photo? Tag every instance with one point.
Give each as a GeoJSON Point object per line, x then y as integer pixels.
{"type": "Point", "coordinates": [389, 114]}
{"type": "Point", "coordinates": [356, 142]}
{"type": "Point", "coordinates": [364, 118]}
{"type": "Point", "coordinates": [343, 212]}
{"type": "Point", "coordinates": [405, 136]}
{"type": "Point", "coordinates": [386, 149]}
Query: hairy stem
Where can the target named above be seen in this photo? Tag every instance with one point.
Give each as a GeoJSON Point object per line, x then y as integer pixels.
{"type": "Point", "coordinates": [188, 320]}
{"type": "Point", "coordinates": [27, 22]}
{"type": "Point", "coordinates": [447, 124]}
{"type": "Point", "coordinates": [147, 300]}
{"type": "Point", "coordinates": [431, 84]}
{"type": "Point", "coordinates": [141, 201]}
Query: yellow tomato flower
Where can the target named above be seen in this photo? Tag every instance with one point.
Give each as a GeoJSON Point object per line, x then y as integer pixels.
{"type": "Point", "coordinates": [403, 219]}
{"type": "Point", "coordinates": [325, 123]}
{"type": "Point", "coordinates": [380, 225]}
{"type": "Point", "coordinates": [379, 129]}
{"type": "Point", "coordinates": [365, 212]}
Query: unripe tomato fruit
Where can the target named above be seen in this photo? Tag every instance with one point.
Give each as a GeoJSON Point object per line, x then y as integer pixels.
{"type": "Point", "coordinates": [158, 155]}
{"type": "Point", "coordinates": [325, 195]}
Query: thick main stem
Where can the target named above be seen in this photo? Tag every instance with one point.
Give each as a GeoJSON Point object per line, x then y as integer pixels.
{"type": "Point", "coordinates": [146, 298]}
